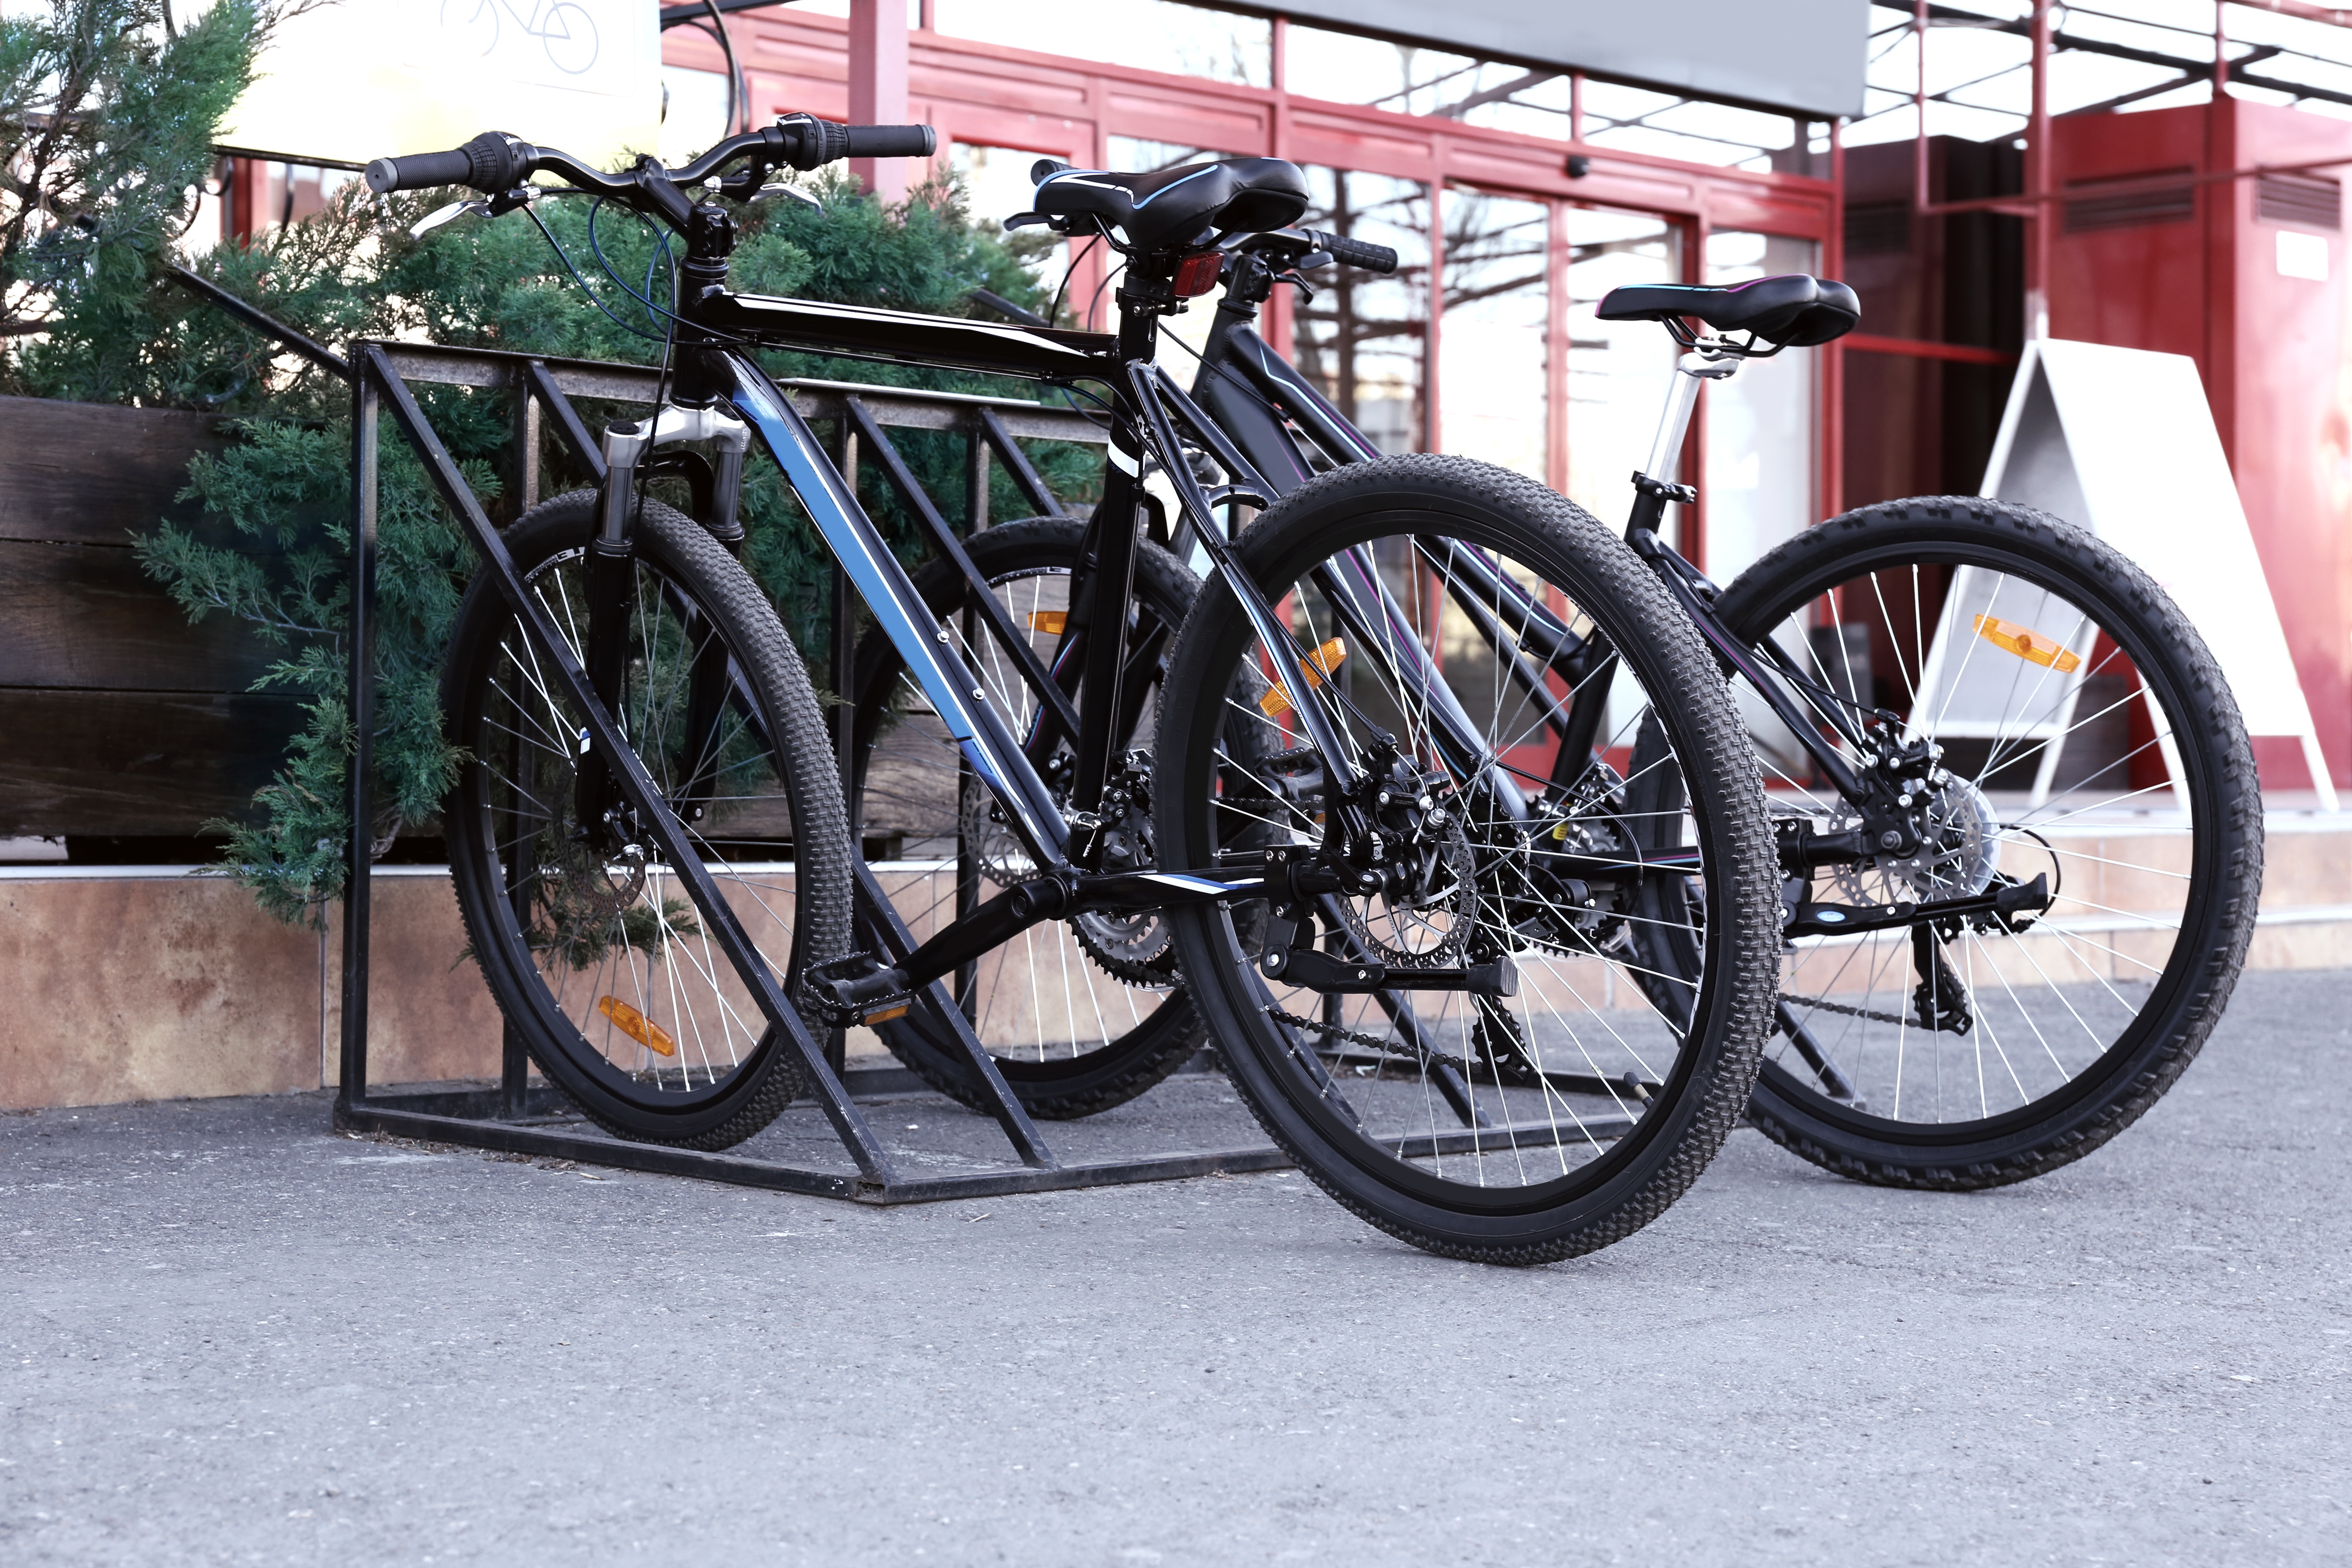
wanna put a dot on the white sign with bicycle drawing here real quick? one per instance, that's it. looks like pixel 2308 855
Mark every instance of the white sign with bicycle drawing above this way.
pixel 361 78
pixel 2122 442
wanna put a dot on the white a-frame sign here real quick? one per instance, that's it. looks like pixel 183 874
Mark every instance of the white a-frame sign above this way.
pixel 2121 442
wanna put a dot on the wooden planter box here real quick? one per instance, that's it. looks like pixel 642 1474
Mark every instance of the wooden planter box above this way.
pixel 119 718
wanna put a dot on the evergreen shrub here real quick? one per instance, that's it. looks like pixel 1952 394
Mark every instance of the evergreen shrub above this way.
pixel 109 329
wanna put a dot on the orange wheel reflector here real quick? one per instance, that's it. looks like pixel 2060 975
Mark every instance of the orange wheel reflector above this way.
pixel 1050 621
pixel 1276 700
pixel 2030 645
pixel 637 1026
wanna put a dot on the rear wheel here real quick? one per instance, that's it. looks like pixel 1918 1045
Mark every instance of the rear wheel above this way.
pixel 1080 1014
pixel 596 955
pixel 1444 601
pixel 2088 739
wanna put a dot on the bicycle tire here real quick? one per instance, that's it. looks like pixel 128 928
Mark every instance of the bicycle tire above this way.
pixel 2083 1108
pixel 763 751
pixel 1330 1121
pixel 1116 1068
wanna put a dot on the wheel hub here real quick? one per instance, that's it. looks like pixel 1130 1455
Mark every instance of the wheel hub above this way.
pixel 1960 845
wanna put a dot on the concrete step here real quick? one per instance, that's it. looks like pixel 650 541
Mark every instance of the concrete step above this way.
pixel 158 982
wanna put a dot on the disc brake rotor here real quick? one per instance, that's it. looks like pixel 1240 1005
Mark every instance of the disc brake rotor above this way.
pixel 1426 926
pixel 592 888
pixel 1958 853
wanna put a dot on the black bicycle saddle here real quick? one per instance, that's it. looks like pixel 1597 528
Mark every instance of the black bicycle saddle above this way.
pixel 1795 311
pixel 1174 208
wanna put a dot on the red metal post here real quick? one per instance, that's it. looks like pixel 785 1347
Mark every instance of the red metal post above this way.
pixel 1832 389
pixel 1576 106
pixel 1690 535
pixel 2042 182
pixel 1432 423
pixel 878 87
pixel 1556 347
pixel 1919 109
pixel 1278 321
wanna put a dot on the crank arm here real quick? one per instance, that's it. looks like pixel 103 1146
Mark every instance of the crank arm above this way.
pixel 862 990
pixel 1320 971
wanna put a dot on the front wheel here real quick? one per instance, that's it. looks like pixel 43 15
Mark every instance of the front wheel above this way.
pixel 2060 726
pixel 596 956
pixel 1455 613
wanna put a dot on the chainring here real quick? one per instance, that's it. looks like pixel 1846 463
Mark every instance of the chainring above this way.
pixel 1133 947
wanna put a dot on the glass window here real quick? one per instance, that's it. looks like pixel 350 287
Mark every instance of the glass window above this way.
pixel 1362 338
pixel 1618 371
pixel 1149 35
pixel 1759 424
pixel 1411 79
pixel 996 184
pixel 1407 78
pixel 1491 382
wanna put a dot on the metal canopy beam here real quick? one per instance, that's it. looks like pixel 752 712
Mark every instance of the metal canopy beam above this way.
pixel 1805 56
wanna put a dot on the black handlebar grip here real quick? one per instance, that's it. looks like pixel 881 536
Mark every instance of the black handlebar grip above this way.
pixel 418 172
pixel 1045 167
pixel 491 162
pixel 1355 253
pixel 891 141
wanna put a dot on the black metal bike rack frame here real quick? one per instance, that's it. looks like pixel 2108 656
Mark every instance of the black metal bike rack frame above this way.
pixel 510 1117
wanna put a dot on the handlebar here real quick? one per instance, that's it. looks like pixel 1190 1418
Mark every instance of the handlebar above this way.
pixel 1299 248
pixel 1354 252
pixel 495 163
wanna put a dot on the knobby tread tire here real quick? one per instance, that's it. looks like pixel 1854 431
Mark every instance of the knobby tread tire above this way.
pixel 2218 729
pixel 1680 1139
pixel 720 587
pixel 1168 1038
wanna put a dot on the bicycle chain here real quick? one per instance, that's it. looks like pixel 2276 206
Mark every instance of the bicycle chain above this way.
pixel 1400 1050
pixel 1823 1005
pixel 1351 1036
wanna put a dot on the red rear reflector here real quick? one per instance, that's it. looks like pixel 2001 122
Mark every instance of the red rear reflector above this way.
pixel 1198 274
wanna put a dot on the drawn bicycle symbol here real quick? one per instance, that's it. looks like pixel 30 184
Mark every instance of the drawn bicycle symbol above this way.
pixel 566 30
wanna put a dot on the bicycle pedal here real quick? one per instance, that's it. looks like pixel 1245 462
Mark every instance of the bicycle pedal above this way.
pixel 860 989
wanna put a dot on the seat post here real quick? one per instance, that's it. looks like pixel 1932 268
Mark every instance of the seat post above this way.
pixel 1654 482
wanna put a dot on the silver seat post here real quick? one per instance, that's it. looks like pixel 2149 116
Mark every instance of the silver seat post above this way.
pixel 1666 453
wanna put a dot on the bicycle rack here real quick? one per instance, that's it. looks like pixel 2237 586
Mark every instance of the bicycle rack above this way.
pixel 541 389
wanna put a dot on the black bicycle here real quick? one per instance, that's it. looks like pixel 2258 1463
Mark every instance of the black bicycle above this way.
pixel 1331 830
pixel 2015 809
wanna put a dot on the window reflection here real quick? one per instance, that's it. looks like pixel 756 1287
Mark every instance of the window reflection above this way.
pixel 1759 424
pixel 1492 386
pixel 1410 79
pixel 1363 337
pixel 1618 371
pixel 1147 34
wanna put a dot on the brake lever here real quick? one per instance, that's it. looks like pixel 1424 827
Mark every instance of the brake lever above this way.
pixel 769 193
pixel 1306 289
pixel 445 215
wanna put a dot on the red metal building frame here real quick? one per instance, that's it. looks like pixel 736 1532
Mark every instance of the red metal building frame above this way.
pixel 988 95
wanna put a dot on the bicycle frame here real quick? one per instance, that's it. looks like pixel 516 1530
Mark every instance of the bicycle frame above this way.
pixel 1235 349
pixel 1154 416
pixel 1272 391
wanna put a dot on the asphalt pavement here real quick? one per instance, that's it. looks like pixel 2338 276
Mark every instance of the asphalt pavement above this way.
pixel 231 1335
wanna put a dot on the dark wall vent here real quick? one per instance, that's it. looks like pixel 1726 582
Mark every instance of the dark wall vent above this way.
pixel 1878 228
pixel 2310 200
pixel 2133 208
